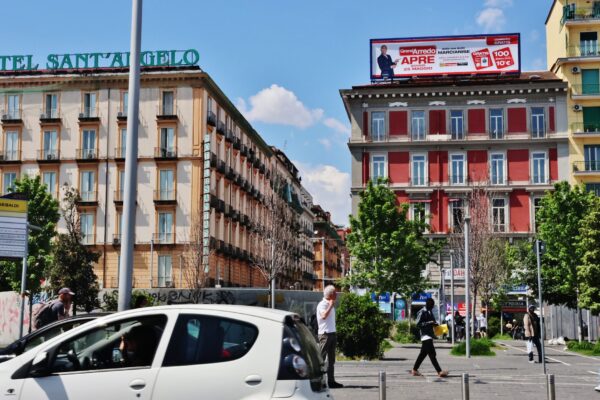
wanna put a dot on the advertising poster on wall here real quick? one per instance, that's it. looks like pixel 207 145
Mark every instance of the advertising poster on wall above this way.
pixel 447 55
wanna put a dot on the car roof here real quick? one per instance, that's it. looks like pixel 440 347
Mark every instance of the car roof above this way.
pixel 77 317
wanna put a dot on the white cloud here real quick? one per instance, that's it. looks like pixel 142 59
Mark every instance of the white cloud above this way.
pixel 337 125
pixel 329 187
pixel 277 105
pixel 498 3
pixel 534 35
pixel 491 19
pixel 325 142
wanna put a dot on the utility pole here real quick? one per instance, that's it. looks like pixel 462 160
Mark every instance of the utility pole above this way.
pixel 323 259
pixel 131 154
pixel 538 244
pixel 452 294
pixel 467 278
pixel 272 273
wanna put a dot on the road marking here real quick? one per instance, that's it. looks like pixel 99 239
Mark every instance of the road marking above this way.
pixel 595 373
pixel 575 354
pixel 525 351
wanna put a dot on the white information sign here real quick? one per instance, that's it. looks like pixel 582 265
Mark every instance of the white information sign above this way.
pixel 13 228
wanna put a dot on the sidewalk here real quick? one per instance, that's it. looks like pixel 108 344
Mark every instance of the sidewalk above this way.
pixel 508 375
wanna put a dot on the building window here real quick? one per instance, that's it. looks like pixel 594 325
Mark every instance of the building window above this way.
pixel 124 103
pixel 419 211
pixel 457 171
pixel 497 165
pixel 87 228
pixel 378 126
pixel 588 43
pixel 165 271
pixel 538 122
pixel 50 145
pixel 417 125
pixel 89 105
pixel 591 119
pixel 166 183
pixel 165 227
pixel 591 155
pixel 88 149
pixel 167 142
pixel 121 183
pixel 123 139
pixel 538 167
pixel 418 169
pixel 496 123
pixel 51 106
pixel 88 186
pixel 457 211
pixel 590 81
pixel 167 102
pixel 499 215
pixel 593 187
pixel 49 179
pixel 8 180
pixel 379 167
pixel 13 106
pixel 537 204
pixel 457 124
pixel 11 145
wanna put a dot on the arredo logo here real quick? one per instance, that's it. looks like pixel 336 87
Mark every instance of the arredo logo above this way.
pixel 157 58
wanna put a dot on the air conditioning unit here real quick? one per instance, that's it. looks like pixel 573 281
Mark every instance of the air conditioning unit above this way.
pixel 81 115
pixel 575 70
pixel 5 116
pixel 50 156
pixel 90 154
pixel 119 114
pixel 577 107
pixel 42 116
pixel 116 241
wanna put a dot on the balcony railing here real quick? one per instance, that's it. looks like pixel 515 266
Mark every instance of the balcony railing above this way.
pixel 10 156
pixel 49 115
pixel 586 166
pixel 11 115
pixel 165 152
pixel 166 111
pixel 585 127
pixel 118 196
pixel 211 118
pixel 587 89
pixel 88 196
pixel 87 154
pixel 88 113
pixel 166 195
pixel 48 155
pixel 87 238
pixel 539 180
pixel 588 50
pixel 419 181
pixel 164 238
pixel 577 13
pixel 457 136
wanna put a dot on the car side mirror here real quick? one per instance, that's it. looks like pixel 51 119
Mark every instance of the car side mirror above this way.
pixel 39 365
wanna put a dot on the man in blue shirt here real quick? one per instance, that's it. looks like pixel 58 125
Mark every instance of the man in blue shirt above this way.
pixel 386 65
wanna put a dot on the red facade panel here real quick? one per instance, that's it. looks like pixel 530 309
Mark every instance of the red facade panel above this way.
pixel 438 166
pixel 477 165
pixel 365 123
pixel 519 211
pixel 398 166
pixel 398 123
pixel 401 197
pixel 476 121
pixel 553 157
pixel 365 168
pixel 551 120
pixel 437 122
pixel 439 211
pixel 518 165
pixel 517 120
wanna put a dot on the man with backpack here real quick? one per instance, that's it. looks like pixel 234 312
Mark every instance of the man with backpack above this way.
pixel 54 310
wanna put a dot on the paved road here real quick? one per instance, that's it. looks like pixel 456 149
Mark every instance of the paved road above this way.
pixel 508 375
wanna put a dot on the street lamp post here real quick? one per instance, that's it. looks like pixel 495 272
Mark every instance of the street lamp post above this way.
pixel 539 277
pixel 323 260
pixel 452 294
pixel 467 278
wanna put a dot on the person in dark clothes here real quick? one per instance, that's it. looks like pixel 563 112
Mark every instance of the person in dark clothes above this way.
pixel 60 308
pixel 425 323
pixel 386 65
pixel 531 323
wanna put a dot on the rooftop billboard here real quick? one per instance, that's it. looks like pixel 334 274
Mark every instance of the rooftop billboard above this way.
pixel 445 55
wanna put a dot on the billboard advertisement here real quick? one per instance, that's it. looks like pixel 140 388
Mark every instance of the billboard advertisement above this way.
pixel 447 55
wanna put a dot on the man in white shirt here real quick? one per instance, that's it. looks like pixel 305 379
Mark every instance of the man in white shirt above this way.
pixel 327 337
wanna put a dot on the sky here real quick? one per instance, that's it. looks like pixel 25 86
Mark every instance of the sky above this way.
pixel 281 62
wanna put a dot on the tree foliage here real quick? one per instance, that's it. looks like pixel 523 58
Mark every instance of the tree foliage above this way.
pixel 588 247
pixel 388 248
pixel 42 212
pixel 73 261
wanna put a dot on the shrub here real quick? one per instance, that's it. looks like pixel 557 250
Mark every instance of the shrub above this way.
pixel 493 327
pixel 361 328
pixel 479 347
pixel 402 334
pixel 110 300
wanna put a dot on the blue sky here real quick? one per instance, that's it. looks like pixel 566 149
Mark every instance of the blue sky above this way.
pixel 283 62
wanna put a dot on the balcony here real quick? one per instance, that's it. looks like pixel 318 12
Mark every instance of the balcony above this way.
pixel 118 197
pixel 585 91
pixel 584 129
pixel 165 238
pixel 587 167
pixel 50 116
pixel 87 155
pixel 88 198
pixel 89 114
pixel 221 166
pixel 211 119
pixel 575 15
pixel 167 112
pixel 229 136
pixel 120 153
pixel 229 173
pixel 12 117
pixel 10 157
pixel 48 156
pixel 165 153
pixel 587 51
pixel 221 128
pixel 244 150
pixel 165 196
pixel 237 143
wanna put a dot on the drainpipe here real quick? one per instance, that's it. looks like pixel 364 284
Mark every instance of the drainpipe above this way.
pixel 151 261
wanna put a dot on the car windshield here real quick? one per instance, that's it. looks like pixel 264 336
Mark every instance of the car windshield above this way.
pixel 52 332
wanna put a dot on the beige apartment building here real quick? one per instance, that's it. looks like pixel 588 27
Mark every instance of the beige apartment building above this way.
pixel 201 166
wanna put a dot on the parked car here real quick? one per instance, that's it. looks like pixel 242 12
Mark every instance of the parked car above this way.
pixel 43 334
pixel 172 352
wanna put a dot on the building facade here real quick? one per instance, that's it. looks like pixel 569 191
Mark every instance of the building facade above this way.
pixel 572 29
pixel 435 140
pixel 328 249
pixel 202 169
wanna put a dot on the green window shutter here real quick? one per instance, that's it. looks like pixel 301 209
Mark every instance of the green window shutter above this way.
pixel 590 79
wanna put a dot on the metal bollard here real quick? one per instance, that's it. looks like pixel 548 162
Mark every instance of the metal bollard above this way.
pixel 382 385
pixel 465 386
pixel 550 387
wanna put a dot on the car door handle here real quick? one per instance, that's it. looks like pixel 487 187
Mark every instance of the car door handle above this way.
pixel 137 384
pixel 253 380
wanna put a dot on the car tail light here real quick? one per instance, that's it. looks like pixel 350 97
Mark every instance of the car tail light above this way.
pixel 292 365
pixel 297 364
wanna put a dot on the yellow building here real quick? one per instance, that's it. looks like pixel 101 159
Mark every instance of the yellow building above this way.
pixel 572 30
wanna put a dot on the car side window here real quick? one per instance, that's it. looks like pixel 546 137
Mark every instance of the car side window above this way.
pixel 50 333
pixel 120 344
pixel 199 339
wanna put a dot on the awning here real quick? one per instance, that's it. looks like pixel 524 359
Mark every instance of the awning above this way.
pixel 419 200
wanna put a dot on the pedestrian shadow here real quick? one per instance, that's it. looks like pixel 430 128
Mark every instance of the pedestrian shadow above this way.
pixel 393 359
pixel 360 386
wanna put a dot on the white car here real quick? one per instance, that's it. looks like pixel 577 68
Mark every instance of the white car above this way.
pixel 174 352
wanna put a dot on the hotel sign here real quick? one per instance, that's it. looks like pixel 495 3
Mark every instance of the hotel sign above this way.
pixel 158 58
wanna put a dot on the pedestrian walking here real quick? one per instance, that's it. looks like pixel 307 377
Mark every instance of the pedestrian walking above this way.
pixel 425 323
pixel 531 324
pixel 459 321
pixel 327 336
pixel 482 323
pixel 54 310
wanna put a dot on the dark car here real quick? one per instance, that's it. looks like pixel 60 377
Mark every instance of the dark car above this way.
pixel 39 336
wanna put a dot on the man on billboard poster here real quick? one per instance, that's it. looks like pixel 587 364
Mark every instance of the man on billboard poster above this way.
pixel 386 65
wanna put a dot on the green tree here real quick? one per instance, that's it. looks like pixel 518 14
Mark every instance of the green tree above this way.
pixel 73 261
pixel 43 212
pixel 388 248
pixel 589 251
